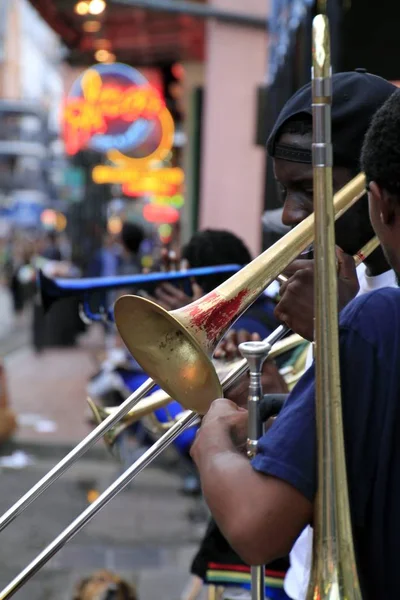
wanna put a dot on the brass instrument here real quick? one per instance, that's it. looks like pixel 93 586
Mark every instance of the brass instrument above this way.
pixel 175 347
pixel 189 419
pixel 160 399
pixel 334 573
pixel 177 355
pixel 145 408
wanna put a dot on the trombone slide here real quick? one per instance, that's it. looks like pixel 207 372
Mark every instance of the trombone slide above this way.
pixel 74 455
pixel 334 573
pixel 187 421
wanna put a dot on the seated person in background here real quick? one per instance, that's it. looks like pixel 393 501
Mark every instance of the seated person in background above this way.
pixel 209 248
pixel 215 559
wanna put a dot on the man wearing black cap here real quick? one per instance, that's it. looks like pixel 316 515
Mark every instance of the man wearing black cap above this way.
pixel 356 97
pixel 283 501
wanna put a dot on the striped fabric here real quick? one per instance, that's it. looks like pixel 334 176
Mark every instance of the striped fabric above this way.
pixel 239 576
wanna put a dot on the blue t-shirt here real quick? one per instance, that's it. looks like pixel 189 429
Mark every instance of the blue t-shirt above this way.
pixel 370 381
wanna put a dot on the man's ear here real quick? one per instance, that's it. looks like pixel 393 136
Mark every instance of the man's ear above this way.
pixel 384 203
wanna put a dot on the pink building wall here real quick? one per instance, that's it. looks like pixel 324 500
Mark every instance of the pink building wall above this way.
pixel 232 166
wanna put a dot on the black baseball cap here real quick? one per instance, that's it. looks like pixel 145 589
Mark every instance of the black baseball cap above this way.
pixel 356 96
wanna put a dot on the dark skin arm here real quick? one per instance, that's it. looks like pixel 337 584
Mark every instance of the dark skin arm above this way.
pixel 260 516
pixel 296 306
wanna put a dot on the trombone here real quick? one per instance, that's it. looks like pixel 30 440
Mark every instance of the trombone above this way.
pixel 344 199
pixel 160 399
pixel 334 572
pixel 174 348
pixel 263 270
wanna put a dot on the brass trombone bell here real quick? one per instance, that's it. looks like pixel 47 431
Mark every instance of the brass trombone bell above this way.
pixel 160 399
pixel 145 407
pixel 175 348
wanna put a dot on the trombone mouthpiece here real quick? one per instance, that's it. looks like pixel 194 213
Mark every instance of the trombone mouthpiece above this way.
pixel 255 353
pixel 321 47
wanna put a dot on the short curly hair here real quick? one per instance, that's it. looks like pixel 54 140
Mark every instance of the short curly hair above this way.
pixel 380 155
pixel 214 247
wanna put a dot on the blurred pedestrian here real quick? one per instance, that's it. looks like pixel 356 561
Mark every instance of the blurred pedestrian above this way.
pixel 131 238
pixel 107 260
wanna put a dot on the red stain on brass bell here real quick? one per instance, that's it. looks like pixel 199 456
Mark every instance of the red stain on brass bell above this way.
pixel 216 318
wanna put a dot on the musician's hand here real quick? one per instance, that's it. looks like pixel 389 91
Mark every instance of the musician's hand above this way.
pixel 271 380
pixel 171 297
pixel 224 423
pixel 228 348
pixel 296 306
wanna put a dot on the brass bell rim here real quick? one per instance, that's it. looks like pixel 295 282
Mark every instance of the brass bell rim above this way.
pixel 123 309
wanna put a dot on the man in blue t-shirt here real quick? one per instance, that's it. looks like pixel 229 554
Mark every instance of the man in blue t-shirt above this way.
pixel 261 507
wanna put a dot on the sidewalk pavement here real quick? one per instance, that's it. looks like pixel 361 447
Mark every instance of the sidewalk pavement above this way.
pixel 14 330
pixel 145 533
pixel 7 319
pixel 48 393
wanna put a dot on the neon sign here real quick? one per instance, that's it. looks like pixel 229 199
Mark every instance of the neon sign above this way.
pixel 154 213
pixel 141 182
pixel 176 201
pixel 114 109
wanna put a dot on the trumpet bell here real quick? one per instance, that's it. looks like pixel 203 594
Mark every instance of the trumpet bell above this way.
pixel 164 345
